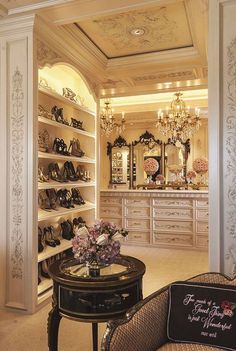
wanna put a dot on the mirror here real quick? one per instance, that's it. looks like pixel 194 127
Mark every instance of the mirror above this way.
pixel 175 160
pixel 145 148
pixel 119 154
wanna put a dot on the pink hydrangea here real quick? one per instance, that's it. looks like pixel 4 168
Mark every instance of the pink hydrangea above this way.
pixel 200 165
pixel 191 174
pixel 150 166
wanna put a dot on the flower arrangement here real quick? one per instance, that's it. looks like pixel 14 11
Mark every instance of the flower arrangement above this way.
pixel 160 178
pixel 98 244
pixel 150 166
pixel 191 174
pixel 200 165
pixel 176 169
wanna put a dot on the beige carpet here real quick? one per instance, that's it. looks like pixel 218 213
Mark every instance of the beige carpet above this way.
pixel 29 332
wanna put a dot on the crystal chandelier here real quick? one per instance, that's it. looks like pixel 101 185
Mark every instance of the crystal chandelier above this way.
pixel 108 122
pixel 177 123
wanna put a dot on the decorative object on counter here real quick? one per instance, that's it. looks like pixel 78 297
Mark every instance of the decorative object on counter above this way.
pixel 60 147
pixel 200 166
pixel 191 175
pixel 42 112
pixel 107 120
pixel 76 124
pixel 177 123
pixel 69 94
pixel 44 141
pixel 75 148
pixel 176 171
pixel 160 179
pixel 150 166
pixel 98 245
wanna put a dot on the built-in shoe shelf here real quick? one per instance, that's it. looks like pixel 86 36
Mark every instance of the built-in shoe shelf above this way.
pixel 52 251
pixel 57 185
pixel 51 156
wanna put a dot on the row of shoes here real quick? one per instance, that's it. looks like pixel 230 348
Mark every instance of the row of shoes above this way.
pixel 48 236
pixel 43 266
pixel 58 116
pixel 50 199
pixel 60 147
pixel 62 176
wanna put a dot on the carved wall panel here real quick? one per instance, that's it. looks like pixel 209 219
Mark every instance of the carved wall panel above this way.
pixel 46 55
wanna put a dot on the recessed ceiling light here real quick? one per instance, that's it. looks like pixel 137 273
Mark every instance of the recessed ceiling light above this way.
pixel 137 32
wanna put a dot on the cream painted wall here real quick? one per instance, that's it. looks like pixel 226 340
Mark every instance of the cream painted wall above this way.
pixel 199 145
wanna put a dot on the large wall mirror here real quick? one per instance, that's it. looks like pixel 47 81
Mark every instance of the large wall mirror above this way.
pixel 119 154
pixel 175 160
pixel 147 147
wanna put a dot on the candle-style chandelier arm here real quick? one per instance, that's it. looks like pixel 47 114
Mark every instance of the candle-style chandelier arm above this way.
pixel 107 120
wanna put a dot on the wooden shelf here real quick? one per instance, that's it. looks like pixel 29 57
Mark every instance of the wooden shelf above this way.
pixel 64 126
pixel 44 285
pixel 59 97
pixel 45 295
pixel 52 251
pixel 43 215
pixel 57 185
pixel 51 156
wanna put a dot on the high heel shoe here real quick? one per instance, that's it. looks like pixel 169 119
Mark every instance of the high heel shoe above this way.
pixel 55 173
pixel 52 196
pixel 48 237
pixel 65 198
pixel 75 148
pixel 41 240
pixel 41 177
pixel 67 230
pixel 53 237
pixel 44 201
pixel 44 269
pixel 76 196
pixel 60 147
pixel 81 173
pixel 69 171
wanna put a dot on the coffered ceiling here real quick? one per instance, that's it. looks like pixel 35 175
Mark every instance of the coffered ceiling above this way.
pixel 129 47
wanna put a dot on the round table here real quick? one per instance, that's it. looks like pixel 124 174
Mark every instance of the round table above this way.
pixel 79 296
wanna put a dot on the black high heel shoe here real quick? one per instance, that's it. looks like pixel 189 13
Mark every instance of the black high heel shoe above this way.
pixel 48 238
pixel 52 196
pixel 65 198
pixel 76 196
pixel 67 230
pixel 44 269
pixel 51 229
pixel 69 171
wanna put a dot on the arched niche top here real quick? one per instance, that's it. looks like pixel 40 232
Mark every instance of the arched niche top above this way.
pixel 147 138
pixel 119 142
pixel 63 76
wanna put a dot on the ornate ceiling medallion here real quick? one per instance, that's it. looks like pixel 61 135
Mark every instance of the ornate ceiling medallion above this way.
pixel 137 32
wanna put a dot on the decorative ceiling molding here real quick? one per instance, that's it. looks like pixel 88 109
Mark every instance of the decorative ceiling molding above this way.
pixel 171 76
pixel 45 55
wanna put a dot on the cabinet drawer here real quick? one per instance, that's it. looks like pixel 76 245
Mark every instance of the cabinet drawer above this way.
pixel 202 227
pixel 137 211
pixel 117 221
pixel 202 203
pixel 138 237
pixel 172 213
pixel 140 224
pixel 202 241
pixel 137 202
pixel 113 200
pixel 112 211
pixel 202 214
pixel 175 226
pixel 172 202
pixel 171 239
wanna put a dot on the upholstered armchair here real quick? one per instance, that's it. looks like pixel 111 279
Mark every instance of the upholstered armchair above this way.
pixel 144 327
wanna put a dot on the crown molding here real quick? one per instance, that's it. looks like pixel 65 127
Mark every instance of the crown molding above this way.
pixel 38 6
pixel 9 25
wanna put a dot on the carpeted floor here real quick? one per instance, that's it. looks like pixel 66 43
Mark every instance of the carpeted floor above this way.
pixel 29 332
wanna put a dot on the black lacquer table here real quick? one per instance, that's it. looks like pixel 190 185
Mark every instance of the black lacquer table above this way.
pixel 78 296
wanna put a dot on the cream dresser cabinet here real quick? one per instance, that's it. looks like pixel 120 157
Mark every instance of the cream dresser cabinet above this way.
pixel 175 219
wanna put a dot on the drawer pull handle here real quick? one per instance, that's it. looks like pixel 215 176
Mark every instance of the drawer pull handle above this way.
pixel 137 223
pixel 207 227
pixel 136 211
pixel 137 236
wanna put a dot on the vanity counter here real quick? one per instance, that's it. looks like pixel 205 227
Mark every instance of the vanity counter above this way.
pixel 163 218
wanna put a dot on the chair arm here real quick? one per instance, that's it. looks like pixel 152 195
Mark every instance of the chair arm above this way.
pixel 143 328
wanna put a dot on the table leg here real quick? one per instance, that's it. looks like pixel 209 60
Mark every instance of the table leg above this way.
pixel 53 326
pixel 95 336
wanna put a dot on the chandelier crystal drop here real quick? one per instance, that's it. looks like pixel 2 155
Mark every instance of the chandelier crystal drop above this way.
pixel 108 122
pixel 177 123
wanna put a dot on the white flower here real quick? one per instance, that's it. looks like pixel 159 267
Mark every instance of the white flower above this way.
pixel 117 236
pixel 102 239
pixel 83 233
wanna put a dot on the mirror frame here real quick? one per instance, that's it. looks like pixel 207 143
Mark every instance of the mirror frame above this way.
pixel 186 153
pixel 145 139
pixel 119 142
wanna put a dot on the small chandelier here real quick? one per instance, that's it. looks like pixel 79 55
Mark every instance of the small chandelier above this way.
pixel 177 123
pixel 108 122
